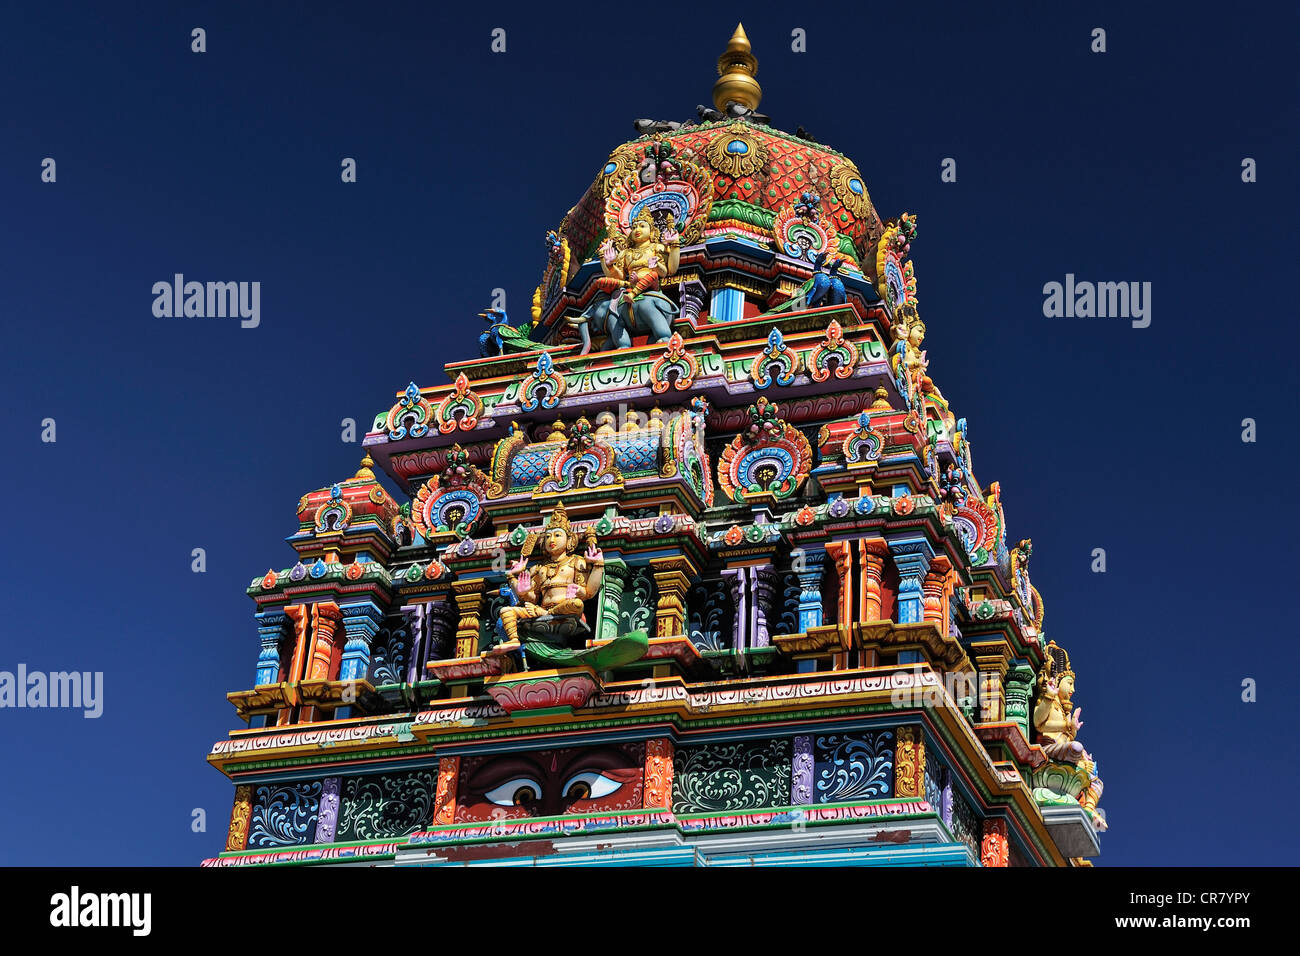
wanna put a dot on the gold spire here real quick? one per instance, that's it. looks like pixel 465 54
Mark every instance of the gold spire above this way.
pixel 736 69
pixel 364 471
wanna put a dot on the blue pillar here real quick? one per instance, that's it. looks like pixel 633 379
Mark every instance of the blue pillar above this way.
pixel 808 569
pixel 360 625
pixel 912 558
pixel 270 630
pixel 727 305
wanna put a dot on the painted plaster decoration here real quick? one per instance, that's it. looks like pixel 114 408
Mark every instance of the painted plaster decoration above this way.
pixel 834 355
pixel 451 503
pixel 770 457
pixel 460 409
pixel 550 597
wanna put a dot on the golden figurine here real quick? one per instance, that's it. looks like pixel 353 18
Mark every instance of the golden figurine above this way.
pixel 1056 725
pixel 558 586
pixel 646 256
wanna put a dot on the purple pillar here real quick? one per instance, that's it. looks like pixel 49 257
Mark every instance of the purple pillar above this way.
pixel 327 820
pixel 801 780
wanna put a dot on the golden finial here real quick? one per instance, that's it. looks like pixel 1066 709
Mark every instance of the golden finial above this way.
pixel 364 471
pixel 736 69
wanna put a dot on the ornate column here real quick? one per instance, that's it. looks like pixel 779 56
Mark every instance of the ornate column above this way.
pixel 764 580
pixel 736 584
pixel 417 620
pixel 325 618
pixel 909 763
pixel 871 555
pixel 444 807
pixel 240 814
pixel 801 777
pixel 727 305
pixel 360 625
pixel 657 790
pixel 934 590
pixel 272 627
pixel 328 818
pixel 613 582
pixel 841 559
pixel 912 558
pixel 469 603
pixel 808 566
pixel 994 850
pixel 992 659
pixel 672 581
pixel 1019 686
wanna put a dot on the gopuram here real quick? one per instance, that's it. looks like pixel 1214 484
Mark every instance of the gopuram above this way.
pixel 691 567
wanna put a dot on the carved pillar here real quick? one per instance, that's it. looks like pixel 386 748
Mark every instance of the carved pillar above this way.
pixel 240 814
pixel 1019 685
pixel 325 618
pixel 727 305
pixel 693 294
pixel 841 559
pixel 765 586
pixel 871 554
pixel 994 850
pixel 612 584
pixel 808 566
pixel 934 590
pixel 444 807
pixel 657 791
pixel 672 580
pixel 992 668
pixel 360 625
pixel 327 819
pixel 734 578
pixel 272 628
pixel 912 558
pixel 300 617
pixel 469 603
pixel 801 778
pixel 909 763
pixel 945 799
pixel 417 622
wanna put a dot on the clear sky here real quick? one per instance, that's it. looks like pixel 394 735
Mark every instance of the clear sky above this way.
pixel 175 434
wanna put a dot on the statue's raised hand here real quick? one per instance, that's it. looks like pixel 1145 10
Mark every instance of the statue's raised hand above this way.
pixel 608 252
pixel 1075 721
pixel 594 555
pixel 669 235
pixel 523 583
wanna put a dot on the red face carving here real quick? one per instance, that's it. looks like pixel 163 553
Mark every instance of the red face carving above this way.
pixel 550 783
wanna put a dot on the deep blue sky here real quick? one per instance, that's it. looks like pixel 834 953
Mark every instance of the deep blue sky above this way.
pixel 183 433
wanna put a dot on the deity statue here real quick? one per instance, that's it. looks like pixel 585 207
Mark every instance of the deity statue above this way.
pixel 558 586
pixel 544 603
pixel 629 298
pixel 1055 724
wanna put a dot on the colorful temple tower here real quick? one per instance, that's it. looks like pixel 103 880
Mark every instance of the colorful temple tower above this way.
pixel 695 568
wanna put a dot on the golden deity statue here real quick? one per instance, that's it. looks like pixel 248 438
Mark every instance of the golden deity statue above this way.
pixel 646 256
pixel 1056 725
pixel 559 584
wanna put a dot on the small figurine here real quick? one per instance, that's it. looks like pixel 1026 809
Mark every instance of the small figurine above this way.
pixel 827 283
pixel 502 337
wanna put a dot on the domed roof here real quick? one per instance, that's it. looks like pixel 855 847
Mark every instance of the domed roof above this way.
pixel 750 164
pixel 751 171
pixel 359 500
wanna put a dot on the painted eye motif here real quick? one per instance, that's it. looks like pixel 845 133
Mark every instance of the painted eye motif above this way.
pixel 589 786
pixel 519 792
